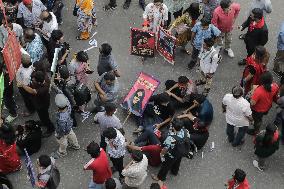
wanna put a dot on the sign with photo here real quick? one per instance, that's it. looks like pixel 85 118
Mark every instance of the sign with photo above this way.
pixel 142 43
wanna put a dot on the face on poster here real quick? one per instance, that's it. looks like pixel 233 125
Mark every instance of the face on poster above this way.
pixel 142 43
pixel 166 45
pixel 140 93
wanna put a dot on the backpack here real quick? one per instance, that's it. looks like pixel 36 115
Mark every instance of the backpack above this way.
pixel 54 178
pixel 82 94
pixel 184 147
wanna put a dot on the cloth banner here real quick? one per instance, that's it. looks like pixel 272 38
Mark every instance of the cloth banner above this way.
pixel 166 45
pixel 142 43
pixel 12 55
pixel 1 91
pixel 139 95
pixel 30 169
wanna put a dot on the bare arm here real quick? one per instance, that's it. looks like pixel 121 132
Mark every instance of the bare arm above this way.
pixel 99 89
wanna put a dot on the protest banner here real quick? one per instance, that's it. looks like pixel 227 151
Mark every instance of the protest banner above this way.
pixel 30 169
pixel 12 55
pixel 166 45
pixel 142 43
pixel 139 95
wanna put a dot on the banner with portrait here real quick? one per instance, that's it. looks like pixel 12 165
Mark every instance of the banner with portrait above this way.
pixel 139 95
pixel 142 43
pixel 166 45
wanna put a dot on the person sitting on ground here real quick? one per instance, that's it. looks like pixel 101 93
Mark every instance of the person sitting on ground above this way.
pixel 107 88
pixel 135 172
pixel 106 61
pixel 113 183
pixel 239 181
pixel 107 119
pixel 180 91
pixel 29 137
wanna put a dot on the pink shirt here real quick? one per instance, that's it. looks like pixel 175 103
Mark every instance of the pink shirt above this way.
pixel 224 21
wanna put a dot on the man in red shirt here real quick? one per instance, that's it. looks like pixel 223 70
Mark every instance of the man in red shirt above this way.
pixel 99 165
pixel 151 151
pixel 261 100
pixel 238 181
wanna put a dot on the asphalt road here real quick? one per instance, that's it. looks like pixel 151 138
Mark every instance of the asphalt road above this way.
pixel 217 166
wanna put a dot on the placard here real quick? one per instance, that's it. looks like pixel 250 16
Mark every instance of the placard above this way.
pixel 166 45
pixel 142 43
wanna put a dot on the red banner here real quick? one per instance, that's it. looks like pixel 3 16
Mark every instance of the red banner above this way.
pixel 12 55
pixel 139 95
pixel 166 45
pixel 142 43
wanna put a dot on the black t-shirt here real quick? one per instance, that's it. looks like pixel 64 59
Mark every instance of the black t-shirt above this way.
pixel 42 98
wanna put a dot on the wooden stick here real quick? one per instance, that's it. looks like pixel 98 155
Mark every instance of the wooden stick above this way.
pixel 128 115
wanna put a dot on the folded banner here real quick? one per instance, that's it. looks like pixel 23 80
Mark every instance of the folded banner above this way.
pixel 140 93
pixel 30 169
pixel 142 43
pixel 12 55
pixel 166 45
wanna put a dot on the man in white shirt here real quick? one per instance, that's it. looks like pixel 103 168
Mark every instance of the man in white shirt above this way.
pixel 49 23
pixel 29 13
pixel 238 114
pixel 208 61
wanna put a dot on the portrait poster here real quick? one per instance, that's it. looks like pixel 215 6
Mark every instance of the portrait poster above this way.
pixel 12 55
pixel 139 95
pixel 30 170
pixel 166 45
pixel 142 43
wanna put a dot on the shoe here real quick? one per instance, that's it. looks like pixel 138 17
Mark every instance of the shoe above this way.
pixel 278 74
pixel 109 7
pixel 126 4
pixel 10 118
pixel 230 53
pixel 47 134
pixel 251 132
pixel 255 164
pixel 138 130
pixel 74 147
pixel 242 62
pixel 205 92
pixel 242 36
pixel 241 143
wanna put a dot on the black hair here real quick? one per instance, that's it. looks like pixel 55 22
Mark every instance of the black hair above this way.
pixel 209 42
pixel 39 66
pixel 82 56
pixel 257 13
pixel 158 1
pixel 44 161
pixel 56 35
pixel 110 133
pixel 183 80
pixel 64 72
pixel 198 97
pixel 193 10
pixel 224 4
pixel 237 91
pixel 29 34
pixel 110 184
pixel 155 186
pixel 39 76
pixel 177 124
pixel 260 52
pixel 137 155
pixel 205 21
pixel 109 76
pixel 93 149
pixel 106 49
pixel 164 98
pixel 32 125
pixel 110 107
pixel 7 133
pixel 266 80
pixel 239 175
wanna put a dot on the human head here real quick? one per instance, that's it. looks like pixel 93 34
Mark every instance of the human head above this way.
pixel 39 77
pixel 177 124
pixel 266 80
pixel 164 98
pixel 26 60
pixel 158 2
pixel 183 81
pixel 208 43
pixel 61 101
pixel 82 56
pixel 45 16
pixel 225 5
pixel 271 128
pixel 44 161
pixel 110 133
pixel 105 49
pixel 9 21
pixel 28 3
pixel 205 22
pixel 64 72
pixel 93 149
pixel 109 78
pixel 237 91
pixel 57 36
pixel 260 53
pixel 239 175
pixel 29 35
pixel 256 14
pixel 198 98
pixel 110 184
pixel 7 133
pixel 110 108
pixel 137 155
pixel 193 10
pixel 155 186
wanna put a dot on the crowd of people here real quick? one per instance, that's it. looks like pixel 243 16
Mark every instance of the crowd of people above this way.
pixel 175 123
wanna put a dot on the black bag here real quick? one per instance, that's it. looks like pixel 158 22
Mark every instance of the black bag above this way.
pixel 54 178
pixel 82 94
pixel 184 147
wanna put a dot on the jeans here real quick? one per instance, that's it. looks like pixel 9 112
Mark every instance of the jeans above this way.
pixel 118 164
pixel 148 136
pixel 112 3
pixel 9 100
pixel 171 164
pixel 93 185
pixel 250 48
pixel 176 15
pixel 43 115
pixel 239 137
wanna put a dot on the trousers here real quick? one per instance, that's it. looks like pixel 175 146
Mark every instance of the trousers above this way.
pixel 118 164
pixel 170 164
pixel 225 39
pixel 63 142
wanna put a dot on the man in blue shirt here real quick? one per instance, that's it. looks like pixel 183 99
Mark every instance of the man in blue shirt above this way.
pixel 201 30
pixel 278 67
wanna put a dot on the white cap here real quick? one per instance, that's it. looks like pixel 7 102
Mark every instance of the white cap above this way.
pixel 61 101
